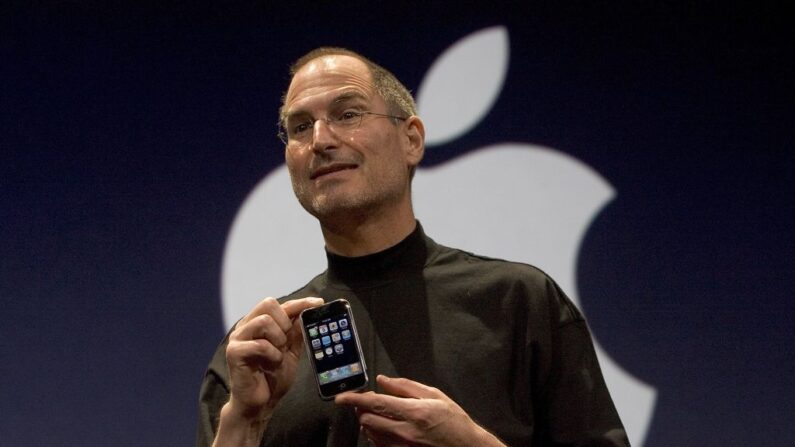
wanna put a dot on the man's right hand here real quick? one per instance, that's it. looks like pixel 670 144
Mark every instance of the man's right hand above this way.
pixel 262 356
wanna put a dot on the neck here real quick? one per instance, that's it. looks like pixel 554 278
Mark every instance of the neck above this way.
pixel 361 235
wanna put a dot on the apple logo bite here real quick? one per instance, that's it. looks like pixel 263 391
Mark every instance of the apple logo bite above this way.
pixel 510 200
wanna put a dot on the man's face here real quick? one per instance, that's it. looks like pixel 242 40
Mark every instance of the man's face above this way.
pixel 364 169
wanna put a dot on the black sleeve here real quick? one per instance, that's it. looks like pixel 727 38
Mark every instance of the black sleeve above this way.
pixel 577 407
pixel 213 395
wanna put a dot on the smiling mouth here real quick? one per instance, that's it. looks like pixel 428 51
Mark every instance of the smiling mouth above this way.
pixel 330 169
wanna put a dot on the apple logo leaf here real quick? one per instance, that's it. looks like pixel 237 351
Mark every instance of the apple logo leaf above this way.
pixel 463 84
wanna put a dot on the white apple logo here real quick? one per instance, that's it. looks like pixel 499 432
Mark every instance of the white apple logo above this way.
pixel 515 201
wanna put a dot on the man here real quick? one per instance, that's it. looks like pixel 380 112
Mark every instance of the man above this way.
pixel 466 350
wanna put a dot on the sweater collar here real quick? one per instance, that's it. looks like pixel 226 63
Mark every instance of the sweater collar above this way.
pixel 408 255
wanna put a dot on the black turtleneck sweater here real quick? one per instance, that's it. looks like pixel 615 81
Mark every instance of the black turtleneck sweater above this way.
pixel 499 338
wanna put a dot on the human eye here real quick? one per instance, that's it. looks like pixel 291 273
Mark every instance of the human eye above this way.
pixel 348 117
pixel 301 128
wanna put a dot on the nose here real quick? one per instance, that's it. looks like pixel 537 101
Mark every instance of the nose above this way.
pixel 323 136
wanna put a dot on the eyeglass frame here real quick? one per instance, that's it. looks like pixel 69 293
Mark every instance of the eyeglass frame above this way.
pixel 282 133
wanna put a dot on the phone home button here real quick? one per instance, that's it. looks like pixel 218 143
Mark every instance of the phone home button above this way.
pixel 343 386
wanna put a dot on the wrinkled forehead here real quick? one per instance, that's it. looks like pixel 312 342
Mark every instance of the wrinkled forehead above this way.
pixel 325 75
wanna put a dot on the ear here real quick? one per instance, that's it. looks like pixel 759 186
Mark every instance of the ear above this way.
pixel 415 136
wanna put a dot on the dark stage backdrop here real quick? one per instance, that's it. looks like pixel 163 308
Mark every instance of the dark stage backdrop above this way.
pixel 137 142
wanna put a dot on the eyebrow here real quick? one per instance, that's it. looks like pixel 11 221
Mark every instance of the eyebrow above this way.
pixel 348 96
pixel 339 99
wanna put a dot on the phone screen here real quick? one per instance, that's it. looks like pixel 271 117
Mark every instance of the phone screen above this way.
pixel 334 349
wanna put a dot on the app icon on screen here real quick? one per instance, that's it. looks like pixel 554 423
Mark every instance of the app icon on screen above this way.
pixel 323 329
pixel 316 343
pixel 318 355
pixel 332 326
pixel 335 337
pixel 344 323
pixel 339 349
pixel 326 340
pixel 313 332
pixel 329 351
pixel 346 334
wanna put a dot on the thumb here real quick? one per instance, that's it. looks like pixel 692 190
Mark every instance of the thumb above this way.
pixel 295 335
pixel 294 308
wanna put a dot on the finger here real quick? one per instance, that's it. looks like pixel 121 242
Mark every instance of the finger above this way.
pixel 293 308
pixel 295 336
pixel 259 352
pixel 295 340
pixel 282 314
pixel 382 439
pixel 401 387
pixel 384 431
pixel 381 404
pixel 268 306
pixel 261 327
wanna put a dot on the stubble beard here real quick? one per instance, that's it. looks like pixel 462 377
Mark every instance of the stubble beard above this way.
pixel 333 205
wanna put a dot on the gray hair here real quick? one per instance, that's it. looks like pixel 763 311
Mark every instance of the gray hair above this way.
pixel 396 96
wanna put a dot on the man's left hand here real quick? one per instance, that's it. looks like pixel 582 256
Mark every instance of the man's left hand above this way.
pixel 410 413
